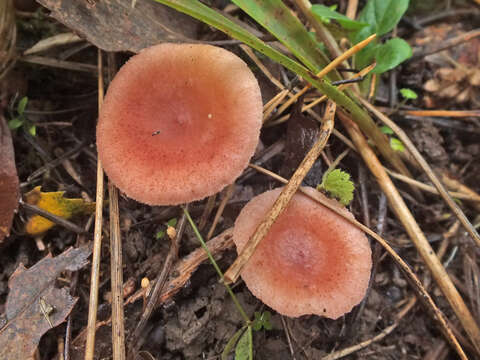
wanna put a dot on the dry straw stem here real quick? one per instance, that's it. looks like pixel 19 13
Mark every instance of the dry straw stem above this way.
pixel 415 233
pixel 352 9
pixel 97 239
pixel 332 65
pixel 462 195
pixel 423 295
pixel 458 186
pixel 307 107
pixel 8 36
pixel 116 266
pixel 431 175
pixel 232 274
pixel 116 271
pixel 442 113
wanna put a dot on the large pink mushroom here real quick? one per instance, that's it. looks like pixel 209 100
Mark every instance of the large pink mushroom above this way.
pixel 312 261
pixel 179 122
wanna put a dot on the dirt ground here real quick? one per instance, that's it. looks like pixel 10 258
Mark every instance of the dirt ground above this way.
pixel 201 318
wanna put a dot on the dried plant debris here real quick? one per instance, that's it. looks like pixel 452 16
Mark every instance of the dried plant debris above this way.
pixel 34 305
pixel 8 181
pixel 54 203
pixel 114 25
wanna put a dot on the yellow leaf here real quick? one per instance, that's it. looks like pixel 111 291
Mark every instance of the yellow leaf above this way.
pixel 54 203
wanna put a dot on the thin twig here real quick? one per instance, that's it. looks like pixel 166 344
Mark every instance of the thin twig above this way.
pixel 159 283
pixel 223 203
pixel 419 53
pixel 52 217
pixel 415 233
pixel 97 239
pixel 410 275
pixel 232 274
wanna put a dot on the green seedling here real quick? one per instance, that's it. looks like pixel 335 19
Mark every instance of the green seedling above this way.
pixel 170 223
pixel 408 94
pixel 262 321
pixel 395 143
pixel 338 184
pixel 20 120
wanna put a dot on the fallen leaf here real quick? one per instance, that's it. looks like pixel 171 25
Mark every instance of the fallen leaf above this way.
pixel 34 305
pixel 113 25
pixel 55 203
pixel 8 181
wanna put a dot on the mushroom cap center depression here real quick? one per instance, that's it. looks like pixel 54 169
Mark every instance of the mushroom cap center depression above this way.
pixel 179 123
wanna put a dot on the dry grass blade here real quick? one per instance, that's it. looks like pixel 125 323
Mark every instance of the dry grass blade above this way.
pixel 223 203
pixel 332 65
pixel 443 113
pixel 116 268
pixel 428 170
pixel 423 295
pixel 116 263
pixel 402 212
pixel 8 36
pixel 232 274
pixel 97 239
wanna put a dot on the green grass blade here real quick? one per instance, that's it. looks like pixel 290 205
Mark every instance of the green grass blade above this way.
pixel 274 16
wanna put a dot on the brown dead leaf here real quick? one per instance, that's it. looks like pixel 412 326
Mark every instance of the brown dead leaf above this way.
pixel 34 305
pixel 8 181
pixel 113 25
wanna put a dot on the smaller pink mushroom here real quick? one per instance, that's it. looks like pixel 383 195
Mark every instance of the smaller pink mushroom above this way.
pixel 311 262
pixel 179 123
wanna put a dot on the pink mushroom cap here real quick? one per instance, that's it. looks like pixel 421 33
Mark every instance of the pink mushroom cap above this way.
pixel 179 123
pixel 311 262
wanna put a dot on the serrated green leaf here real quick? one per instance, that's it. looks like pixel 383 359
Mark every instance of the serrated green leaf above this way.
pixel 396 144
pixel 382 15
pixel 22 104
pixel 231 344
pixel 386 130
pixel 244 348
pixel 324 12
pixel 339 185
pixel 391 54
pixel 15 123
pixel 408 94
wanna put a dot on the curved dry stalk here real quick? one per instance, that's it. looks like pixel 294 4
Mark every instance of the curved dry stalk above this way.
pixel 431 175
pixel 8 36
pixel 232 274
pixel 402 212
pixel 221 207
pixel 423 295
pixel 97 239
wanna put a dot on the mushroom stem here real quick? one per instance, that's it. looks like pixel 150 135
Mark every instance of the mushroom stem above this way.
pixel 232 274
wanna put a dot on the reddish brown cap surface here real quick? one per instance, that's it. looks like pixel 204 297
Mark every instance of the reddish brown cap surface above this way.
pixel 179 122
pixel 311 262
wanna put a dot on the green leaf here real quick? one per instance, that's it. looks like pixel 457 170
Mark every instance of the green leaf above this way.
pixel 172 222
pixel 324 12
pixel 386 130
pixel 408 94
pixel 396 144
pixel 391 54
pixel 231 344
pixel 244 349
pixel 339 185
pixel 22 104
pixel 32 129
pixel 160 235
pixel 262 320
pixel 274 16
pixel 15 123
pixel 382 15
